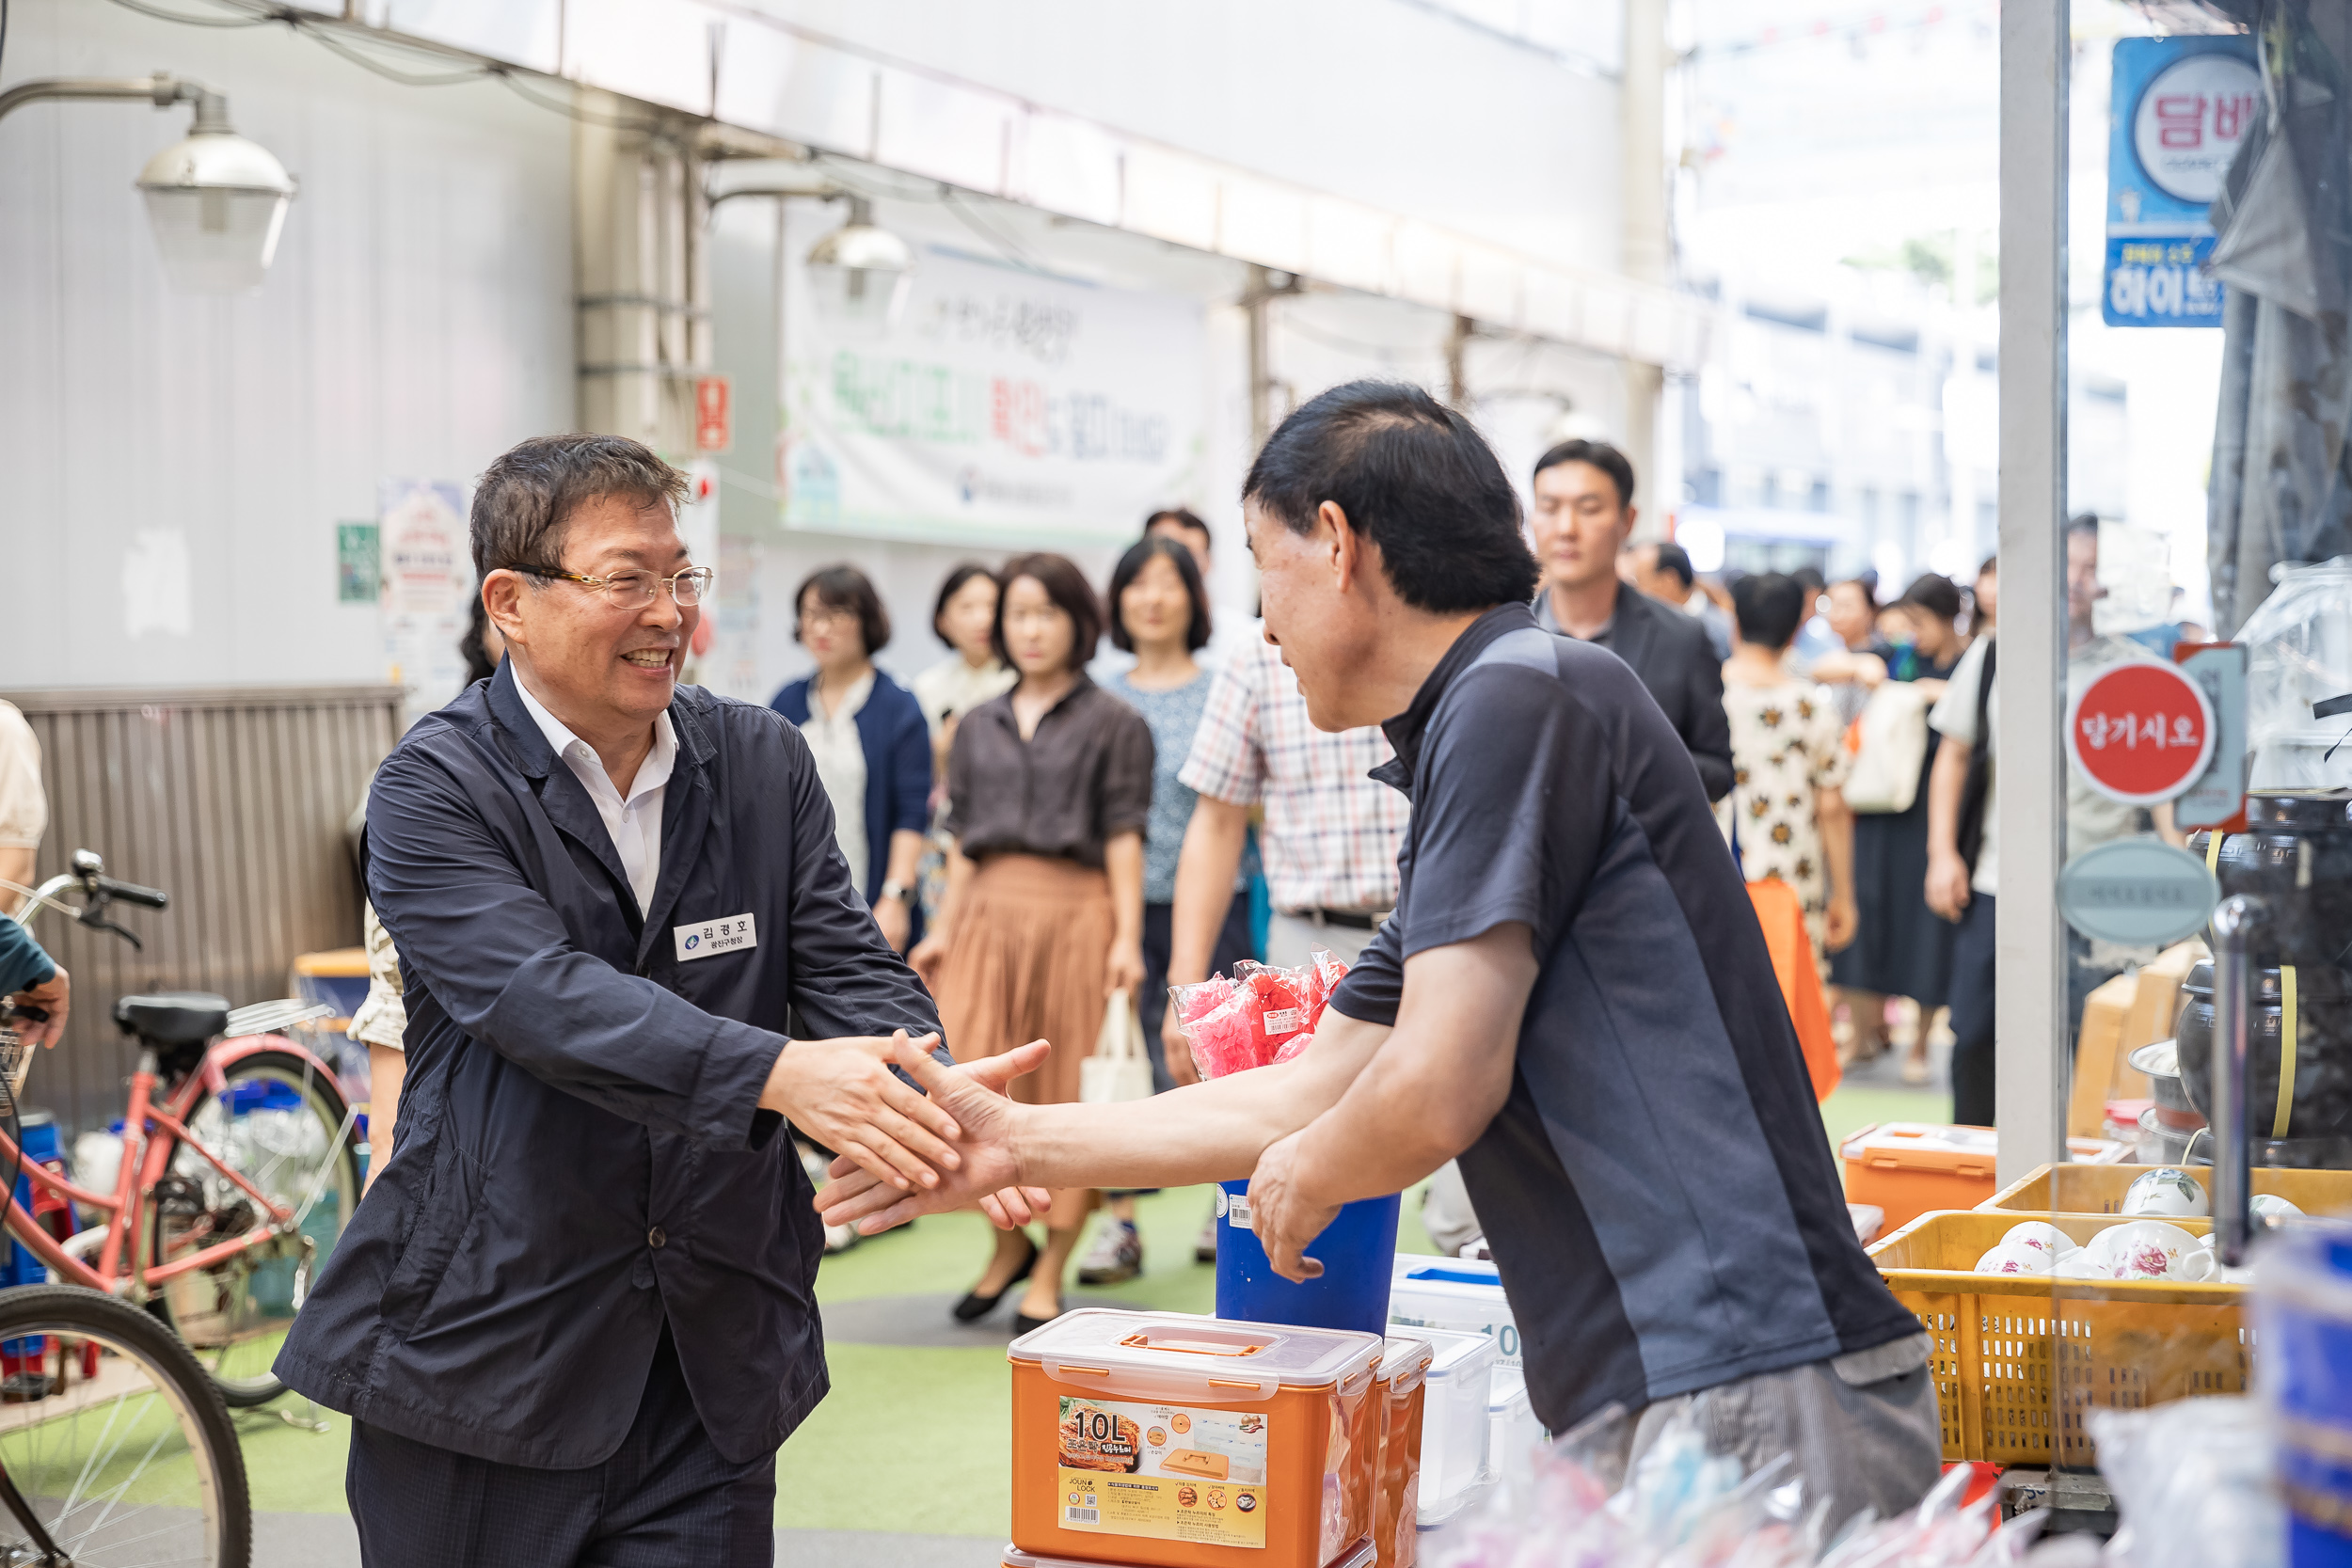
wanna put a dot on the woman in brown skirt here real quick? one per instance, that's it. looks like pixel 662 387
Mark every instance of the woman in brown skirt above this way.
pixel 1048 789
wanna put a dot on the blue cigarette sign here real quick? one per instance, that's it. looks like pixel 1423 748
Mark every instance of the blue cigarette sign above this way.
pixel 2180 108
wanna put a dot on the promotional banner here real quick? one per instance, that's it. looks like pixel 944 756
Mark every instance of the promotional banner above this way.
pixel 428 582
pixel 2179 109
pixel 998 407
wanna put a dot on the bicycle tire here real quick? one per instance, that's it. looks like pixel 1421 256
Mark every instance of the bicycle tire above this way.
pixel 243 1392
pixel 71 1311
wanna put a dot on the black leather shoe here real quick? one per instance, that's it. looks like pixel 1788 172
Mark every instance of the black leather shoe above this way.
pixel 975 1305
pixel 1022 1323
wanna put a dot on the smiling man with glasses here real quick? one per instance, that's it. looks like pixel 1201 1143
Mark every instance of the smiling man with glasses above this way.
pixel 575 1317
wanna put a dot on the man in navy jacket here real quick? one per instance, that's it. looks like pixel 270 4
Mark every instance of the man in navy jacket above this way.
pixel 575 1317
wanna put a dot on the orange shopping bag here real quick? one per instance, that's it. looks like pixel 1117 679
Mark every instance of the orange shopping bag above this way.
pixel 1783 919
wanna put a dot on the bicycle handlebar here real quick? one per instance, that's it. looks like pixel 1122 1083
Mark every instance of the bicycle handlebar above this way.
pixel 130 893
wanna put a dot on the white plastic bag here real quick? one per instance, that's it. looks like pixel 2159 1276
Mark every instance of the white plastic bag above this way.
pixel 1121 1068
pixel 1892 730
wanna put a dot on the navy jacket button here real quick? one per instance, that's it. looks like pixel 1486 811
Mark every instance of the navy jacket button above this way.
pixel 654 1238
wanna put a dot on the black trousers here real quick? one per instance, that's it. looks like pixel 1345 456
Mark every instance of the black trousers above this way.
pixel 665 1500
pixel 1972 1014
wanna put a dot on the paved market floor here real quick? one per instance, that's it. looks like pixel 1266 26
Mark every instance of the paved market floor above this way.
pixel 898 1367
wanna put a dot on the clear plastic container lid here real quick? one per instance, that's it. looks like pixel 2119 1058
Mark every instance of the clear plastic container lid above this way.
pixel 1455 1356
pixel 1404 1357
pixel 1507 1390
pixel 1419 1270
pixel 1181 1356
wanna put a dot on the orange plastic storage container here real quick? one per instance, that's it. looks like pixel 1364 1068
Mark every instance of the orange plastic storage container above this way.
pixel 1398 1386
pixel 1911 1169
pixel 1165 1440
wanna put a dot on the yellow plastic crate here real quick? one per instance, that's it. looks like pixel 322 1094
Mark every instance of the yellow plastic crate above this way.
pixel 2018 1359
pixel 2100 1189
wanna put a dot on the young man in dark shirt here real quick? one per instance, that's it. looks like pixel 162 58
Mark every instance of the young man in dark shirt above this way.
pixel 1572 996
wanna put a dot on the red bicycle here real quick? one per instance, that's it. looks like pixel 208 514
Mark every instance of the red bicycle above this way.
pixel 236 1174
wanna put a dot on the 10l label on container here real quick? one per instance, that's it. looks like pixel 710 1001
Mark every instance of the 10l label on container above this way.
pixel 1163 1471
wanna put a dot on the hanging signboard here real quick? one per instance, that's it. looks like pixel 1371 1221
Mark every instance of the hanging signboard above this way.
pixel 2137 892
pixel 996 408
pixel 2178 110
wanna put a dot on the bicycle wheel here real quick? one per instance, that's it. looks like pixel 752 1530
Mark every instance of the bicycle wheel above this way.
pixel 135 1466
pixel 280 1123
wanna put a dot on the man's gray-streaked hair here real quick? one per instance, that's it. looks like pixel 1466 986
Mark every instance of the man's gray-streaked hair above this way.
pixel 531 491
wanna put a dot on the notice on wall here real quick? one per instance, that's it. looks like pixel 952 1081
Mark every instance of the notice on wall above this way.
pixel 427 578
pixel 2180 107
pixel 358 563
pixel 998 406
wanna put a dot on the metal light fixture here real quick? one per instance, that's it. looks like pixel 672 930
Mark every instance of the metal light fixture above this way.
pixel 858 274
pixel 216 202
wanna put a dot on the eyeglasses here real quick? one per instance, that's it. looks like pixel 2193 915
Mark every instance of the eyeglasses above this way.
pixel 636 590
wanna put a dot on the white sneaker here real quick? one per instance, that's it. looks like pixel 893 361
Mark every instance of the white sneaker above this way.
pixel 1114 1255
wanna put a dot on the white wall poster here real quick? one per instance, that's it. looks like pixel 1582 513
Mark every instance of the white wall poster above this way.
pixel 428 581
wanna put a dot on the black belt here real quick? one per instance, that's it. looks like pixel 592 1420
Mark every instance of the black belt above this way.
pixel 1351 920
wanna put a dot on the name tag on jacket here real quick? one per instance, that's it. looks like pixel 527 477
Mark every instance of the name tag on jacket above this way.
pixel 705 938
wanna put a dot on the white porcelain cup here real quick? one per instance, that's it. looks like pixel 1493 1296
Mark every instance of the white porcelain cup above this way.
pixel 2142 1249
pixel 2166 1193
pixel 2041 1236
pixel 2008 1259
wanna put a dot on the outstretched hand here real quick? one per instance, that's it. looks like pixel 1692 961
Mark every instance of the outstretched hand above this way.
pixel 987 1173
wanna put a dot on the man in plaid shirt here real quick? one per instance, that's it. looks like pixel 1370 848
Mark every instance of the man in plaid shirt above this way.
pixel 1331 833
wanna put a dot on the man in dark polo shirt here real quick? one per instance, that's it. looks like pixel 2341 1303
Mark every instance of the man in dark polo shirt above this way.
pixel 1572 996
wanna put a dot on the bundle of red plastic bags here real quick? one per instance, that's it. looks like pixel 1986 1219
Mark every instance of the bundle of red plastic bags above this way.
pixel 1260 1016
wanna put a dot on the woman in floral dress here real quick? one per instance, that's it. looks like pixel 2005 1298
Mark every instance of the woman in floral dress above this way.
pixel 1784 815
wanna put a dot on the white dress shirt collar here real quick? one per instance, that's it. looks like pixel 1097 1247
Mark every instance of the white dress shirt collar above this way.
pixel 634 823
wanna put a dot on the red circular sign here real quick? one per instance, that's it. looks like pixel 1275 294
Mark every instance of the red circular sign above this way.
pixel 2141 732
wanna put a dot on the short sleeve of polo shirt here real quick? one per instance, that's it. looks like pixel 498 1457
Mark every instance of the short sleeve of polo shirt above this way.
pixel 1511 804
pixel 1228 757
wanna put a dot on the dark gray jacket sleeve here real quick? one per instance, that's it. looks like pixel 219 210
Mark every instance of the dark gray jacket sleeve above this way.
pixel 494 954
pixel 1705 729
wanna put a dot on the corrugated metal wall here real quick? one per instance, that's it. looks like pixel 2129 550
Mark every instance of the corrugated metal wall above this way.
pixel 232 799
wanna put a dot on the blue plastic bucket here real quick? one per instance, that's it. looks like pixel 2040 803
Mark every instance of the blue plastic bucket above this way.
pixel 1358 1251
pixel 2303 1307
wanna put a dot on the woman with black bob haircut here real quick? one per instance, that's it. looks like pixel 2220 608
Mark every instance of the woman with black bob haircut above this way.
pixel 1049 787
pixel 867 734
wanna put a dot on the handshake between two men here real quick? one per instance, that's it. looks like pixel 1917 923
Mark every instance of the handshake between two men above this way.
pixel 1365 1110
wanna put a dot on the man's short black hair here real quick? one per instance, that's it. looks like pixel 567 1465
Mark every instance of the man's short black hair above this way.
pixel 1770 608
pixel 845 587
pixel 1810 579
pixel 1131 565
pixel 1183 518
pixel 1675 561
pixel 1601 455
pixel 531 491
pixel 2083 522
pixel 1067 588
pixel 1413 477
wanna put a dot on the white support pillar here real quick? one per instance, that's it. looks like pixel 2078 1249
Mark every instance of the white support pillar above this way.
pixel 1641 133
pixel 2030 1007
pixel 641 271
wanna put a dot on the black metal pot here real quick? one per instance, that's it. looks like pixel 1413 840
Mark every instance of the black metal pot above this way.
pixel 2296 856
pixel 2321 1102
pixel 2173 1108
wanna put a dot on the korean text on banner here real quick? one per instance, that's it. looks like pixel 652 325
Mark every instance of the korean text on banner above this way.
pixel 998 406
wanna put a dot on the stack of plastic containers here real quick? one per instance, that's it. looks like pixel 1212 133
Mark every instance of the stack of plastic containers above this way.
pixel 1457 1390
pixel 1399 1385
pixel 1460 1294
pixel 1163 1440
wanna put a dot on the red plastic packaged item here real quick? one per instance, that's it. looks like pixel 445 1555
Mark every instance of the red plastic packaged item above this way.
pixel 1324 973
